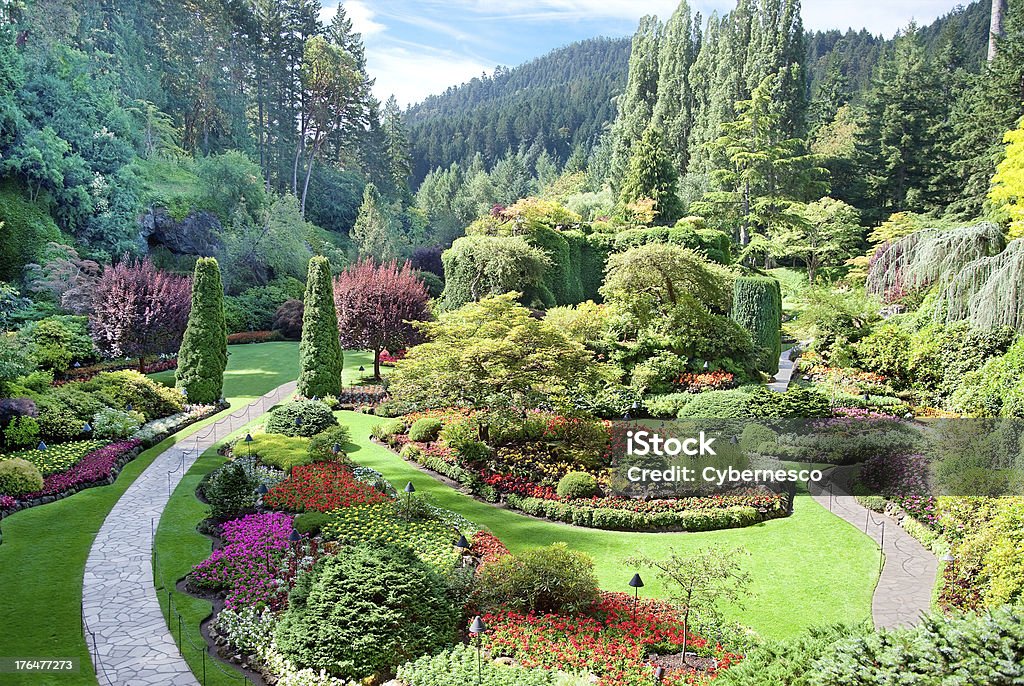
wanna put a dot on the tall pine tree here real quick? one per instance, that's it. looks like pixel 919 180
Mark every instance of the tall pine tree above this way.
pixel 651 175
pixel 203 356
pixel 320 356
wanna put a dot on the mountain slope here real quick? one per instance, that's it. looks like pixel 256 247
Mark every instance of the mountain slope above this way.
pixel 559 101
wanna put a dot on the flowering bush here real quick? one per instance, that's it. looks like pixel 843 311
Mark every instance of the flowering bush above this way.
pixel 168 425
pixel 321 487
pixel 488 547
pixel 247 629
pixel 7 502
pixel 254 337
pixel 248 567
pixel 696 382
pixel 56 458
pixel 605 641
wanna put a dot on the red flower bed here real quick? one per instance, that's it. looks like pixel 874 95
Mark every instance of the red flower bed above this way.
pixel 606 641
pixel 518 485
pixel 322 487
pixel 254 337
pixel 488 547
pixel 388 359
pixel 695 382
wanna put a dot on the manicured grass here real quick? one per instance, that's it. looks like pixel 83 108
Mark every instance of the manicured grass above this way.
pixel 810 568
pixel 42 558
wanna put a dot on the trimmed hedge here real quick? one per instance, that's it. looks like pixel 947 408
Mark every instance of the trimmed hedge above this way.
pixel 314 417
pixel 320 355
pixel 625 520
pixel 757 307
pixel 203 356
pixel 577 485
pixel 425 430
pixel 18 476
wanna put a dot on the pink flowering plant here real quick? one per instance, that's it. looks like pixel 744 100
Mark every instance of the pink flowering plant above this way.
pixel 94 467
pixel 904 480
pixel 250 564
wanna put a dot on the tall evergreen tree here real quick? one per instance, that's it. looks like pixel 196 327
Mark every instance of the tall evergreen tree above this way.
pixel 651 175
pixel 374 232
pixel 636 105
pixel 320 356
pixel 397 145
pixel 673 110
pixel 203 356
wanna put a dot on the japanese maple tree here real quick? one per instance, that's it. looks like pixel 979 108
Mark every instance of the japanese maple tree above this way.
pixel 139 310
pixel 375 305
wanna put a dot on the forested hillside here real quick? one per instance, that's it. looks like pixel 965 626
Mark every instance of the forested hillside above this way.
pixel 560 103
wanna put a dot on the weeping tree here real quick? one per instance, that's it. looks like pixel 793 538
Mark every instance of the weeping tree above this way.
pixel 928 257
pixel 988 291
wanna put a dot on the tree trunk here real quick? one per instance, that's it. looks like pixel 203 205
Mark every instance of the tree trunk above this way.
pixel 376 364
pixel 995 31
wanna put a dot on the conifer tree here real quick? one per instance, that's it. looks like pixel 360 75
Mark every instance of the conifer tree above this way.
pixel 651 175
pixel 204 348
pixel 636 104
pixel 374 231
pixel 320 355
pixel 673 110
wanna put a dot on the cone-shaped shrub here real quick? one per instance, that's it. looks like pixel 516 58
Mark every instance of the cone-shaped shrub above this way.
pixel 204 348
pixel 757 307
pixel 320 356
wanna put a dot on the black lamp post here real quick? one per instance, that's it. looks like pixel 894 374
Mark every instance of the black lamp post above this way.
pixel 295 538
pixel 41 447
pixel 298 421
pixel 948 558
pixel 636 583
pixel 128 407
pixel 867 397
pixel 478 628
pixel 409 490
pixel 87 428
pixel 336 448
pixel 462 547
pixel 248 445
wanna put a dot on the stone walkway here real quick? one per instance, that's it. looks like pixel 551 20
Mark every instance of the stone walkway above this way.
pixel 125 628
pixel 781 381
pixel 904 590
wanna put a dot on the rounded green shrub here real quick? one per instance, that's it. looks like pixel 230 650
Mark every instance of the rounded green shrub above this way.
pixel 425 430
pixel 301 418
pixel 111 423
pixel 21 432
pixel 203 355
pixel 386 430
pixel 18 477
pixel 757 307
pixel 231 491
pixel 310 523
pixel 364 612
pixel 795 403
pixel 550 579
pixel 577 485
pixel 321 446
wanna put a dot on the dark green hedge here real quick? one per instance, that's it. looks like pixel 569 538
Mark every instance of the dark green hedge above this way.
pixel 757 307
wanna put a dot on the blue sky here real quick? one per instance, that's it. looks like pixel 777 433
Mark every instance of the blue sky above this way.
pixel 419 47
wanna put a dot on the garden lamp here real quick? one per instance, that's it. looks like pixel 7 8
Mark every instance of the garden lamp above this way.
pixel 315 398
pixel 733 440
pixel 462 545
pixel 409 489
pixel 41 446
pixel 248 444
pixel 295 538
pixel 362 368
pixel 128 407
pixel 336 448
pixel 262 490
pixel 478 628
pixel 948 557
pixel 659 673
pixel 298 421
pixel 705 365
pixel 636 583
pixel 867 396
pixel 77 365
pixel 87 428
pixel 636 405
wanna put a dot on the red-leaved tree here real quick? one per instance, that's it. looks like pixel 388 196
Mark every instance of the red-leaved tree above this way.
pixel 375 304
pixel 138 310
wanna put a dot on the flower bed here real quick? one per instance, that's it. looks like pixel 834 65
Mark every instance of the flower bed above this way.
pixel 606 641
pixel 56 458
pixel 696 382
pixel 86 373
pixel 247 567
pixel 384 524
pixel 321 487
pixel 361 396
pixel 388 360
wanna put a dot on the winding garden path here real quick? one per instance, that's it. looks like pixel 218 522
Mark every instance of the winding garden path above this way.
pixel 782 378
pixel 904 590
pixel 121 614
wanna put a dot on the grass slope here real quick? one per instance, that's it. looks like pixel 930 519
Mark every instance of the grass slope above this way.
pixel 180 547
pixel 810 568
pixel 42 558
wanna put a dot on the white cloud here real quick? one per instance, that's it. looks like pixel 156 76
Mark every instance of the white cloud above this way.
pixel 411 75
pixel 359 13
pixel 877 16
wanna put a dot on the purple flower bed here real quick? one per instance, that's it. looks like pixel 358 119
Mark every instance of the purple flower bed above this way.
pixel 903 479
pixel 7 502
pixel 247 566
pixel 96 466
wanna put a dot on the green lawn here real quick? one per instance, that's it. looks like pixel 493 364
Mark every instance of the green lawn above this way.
pixel 44 549
pixel 180 547
pixel 810 568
